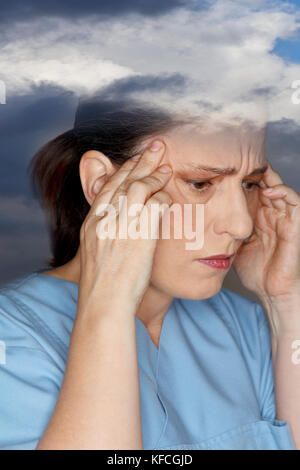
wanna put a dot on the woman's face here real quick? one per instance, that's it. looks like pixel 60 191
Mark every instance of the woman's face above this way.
pixel 230 202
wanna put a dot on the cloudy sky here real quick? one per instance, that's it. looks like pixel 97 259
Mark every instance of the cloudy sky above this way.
pixel 209 54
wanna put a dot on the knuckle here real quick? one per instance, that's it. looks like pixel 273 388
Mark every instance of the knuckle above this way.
pixel 157 200
pixel 123 187
pixel 119 194
pixel 154 181
pixel 154 200
pixel 121 191
pixel 138 186
pixel 124 170
pixel 165 196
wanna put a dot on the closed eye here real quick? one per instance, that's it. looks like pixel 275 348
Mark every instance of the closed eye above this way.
pixel 196 185
pixel 202 186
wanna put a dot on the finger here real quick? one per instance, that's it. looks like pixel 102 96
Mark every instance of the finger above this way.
pixel 272 178
pixel 141 190
pixel 120 181
pixel 137 193
pixel 107 191
pixel 159 198
pixel 263 199
pixel 286 195
pixel 149 161
pixel 153 210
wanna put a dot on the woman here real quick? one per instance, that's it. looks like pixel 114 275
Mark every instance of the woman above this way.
pixel 125 343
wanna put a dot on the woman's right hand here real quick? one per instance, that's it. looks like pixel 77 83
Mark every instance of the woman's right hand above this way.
pixel 115 272
pixel 99 405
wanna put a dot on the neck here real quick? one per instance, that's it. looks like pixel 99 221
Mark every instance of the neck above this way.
pixel 153 307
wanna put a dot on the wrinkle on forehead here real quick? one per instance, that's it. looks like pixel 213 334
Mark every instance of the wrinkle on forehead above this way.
pixel 241 146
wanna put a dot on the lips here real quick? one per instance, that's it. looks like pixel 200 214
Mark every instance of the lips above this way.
pixel 221 262
pixel 219 256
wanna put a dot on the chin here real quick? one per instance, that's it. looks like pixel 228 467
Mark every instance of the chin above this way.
pixel 191 290
pixel 204 292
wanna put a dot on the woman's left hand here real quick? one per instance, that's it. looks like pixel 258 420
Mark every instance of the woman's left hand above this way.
pixel 269 264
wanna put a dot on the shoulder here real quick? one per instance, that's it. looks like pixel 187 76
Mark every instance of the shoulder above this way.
pixel 37 312
pixel 239 308
pixel 231 306
pixel 244 318
pixel 16 321
pixel 31 357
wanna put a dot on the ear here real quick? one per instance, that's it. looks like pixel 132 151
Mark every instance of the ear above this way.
pixel 95 169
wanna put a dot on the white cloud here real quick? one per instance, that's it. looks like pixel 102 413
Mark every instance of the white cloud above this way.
pixel 224 51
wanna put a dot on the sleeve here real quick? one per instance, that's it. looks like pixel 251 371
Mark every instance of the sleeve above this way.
pixel 29 384
pixel 279 431
pixel 267 396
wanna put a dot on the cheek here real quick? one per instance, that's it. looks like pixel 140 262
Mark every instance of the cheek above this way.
pixel 167 263
pixel 254 204
pixel 181 223
pixel 169 257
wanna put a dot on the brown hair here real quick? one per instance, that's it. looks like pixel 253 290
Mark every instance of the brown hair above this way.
pixel 115 129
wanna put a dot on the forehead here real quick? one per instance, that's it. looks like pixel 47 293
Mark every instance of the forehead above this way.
pixel 229 145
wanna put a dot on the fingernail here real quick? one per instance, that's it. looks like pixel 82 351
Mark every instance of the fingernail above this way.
pixel 156 145
pixel 136 157
pixel 165 169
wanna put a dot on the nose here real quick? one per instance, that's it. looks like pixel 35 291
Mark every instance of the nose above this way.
pixel 233 216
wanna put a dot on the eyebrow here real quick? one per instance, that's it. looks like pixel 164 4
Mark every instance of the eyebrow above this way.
pixel 227 171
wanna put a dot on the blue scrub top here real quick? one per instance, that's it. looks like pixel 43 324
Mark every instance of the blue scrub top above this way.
pixel 209 385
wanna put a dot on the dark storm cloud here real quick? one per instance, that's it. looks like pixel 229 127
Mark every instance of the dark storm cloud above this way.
pixel 262 92
pixel 22 217
pixel 124 86
pixel 26 122
pixel 120 94
pixel 23 10
pixel 36 110
pixel 283 150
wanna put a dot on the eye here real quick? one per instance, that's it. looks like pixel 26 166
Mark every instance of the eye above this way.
pixel 252 185
pixel 199 186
